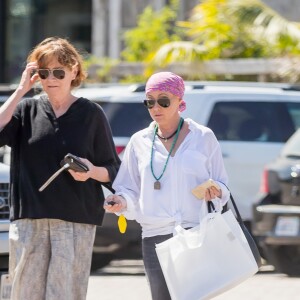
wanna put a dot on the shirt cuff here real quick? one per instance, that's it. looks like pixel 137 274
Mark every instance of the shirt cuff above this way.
pixel 129 211
pixel 220 202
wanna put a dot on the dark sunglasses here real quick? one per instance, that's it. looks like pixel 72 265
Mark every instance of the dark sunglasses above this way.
pixel 163 102
pixel 57 73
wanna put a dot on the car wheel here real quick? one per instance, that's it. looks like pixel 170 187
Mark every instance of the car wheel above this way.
pixel 286 259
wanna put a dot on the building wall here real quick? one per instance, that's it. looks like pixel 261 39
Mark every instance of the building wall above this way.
pixel 28 22
pixel 290 9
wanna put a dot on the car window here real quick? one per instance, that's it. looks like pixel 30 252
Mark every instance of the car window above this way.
pixel 3 99
pixel 294 111
pixel 126 118
pixel 254 121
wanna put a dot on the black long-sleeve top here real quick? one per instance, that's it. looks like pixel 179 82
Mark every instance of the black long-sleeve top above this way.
pixel 39 142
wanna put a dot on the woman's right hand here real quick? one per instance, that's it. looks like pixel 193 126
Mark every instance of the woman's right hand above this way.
pixel 28 78
pixel 26 82
pixel 115 204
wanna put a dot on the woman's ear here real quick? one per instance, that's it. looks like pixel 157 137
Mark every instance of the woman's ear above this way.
pixel 74 71
pixel 182 105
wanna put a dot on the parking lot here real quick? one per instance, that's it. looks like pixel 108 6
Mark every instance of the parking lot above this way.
pixel 125 279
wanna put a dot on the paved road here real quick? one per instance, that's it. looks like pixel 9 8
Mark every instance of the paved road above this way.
pixel 125 279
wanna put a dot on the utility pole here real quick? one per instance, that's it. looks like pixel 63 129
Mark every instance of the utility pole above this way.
pixel 98 28
pixel 115 17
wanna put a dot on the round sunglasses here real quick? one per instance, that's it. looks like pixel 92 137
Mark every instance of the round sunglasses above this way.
pixel 163 102
pixel 57 73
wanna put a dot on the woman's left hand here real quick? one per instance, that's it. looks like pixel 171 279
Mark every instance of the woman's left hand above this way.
pixel 212 192
pixel 83 176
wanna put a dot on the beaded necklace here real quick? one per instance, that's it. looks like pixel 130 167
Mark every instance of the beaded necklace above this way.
pixel 157 184
pixel 165 139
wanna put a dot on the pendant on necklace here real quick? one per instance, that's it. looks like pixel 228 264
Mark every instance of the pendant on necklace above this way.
pixel 157 185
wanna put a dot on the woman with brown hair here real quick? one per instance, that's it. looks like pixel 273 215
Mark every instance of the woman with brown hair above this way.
pixel 52 231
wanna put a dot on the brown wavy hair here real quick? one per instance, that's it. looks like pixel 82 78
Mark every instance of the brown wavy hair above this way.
pixel 65 53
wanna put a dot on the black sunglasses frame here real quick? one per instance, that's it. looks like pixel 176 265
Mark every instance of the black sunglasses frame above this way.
pixel 163 102
pixel 57 73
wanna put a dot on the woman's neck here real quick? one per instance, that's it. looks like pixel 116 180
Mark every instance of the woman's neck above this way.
pixel 61 105
pixel 166 129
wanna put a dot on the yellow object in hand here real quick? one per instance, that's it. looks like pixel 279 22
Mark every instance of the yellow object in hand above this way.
pixel 122 223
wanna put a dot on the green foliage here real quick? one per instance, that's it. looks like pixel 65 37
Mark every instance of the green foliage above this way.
pixel 216 29
pixel 231 29
pixel 270 31
pixel 133 79
pixel 154 29
pixel 224 32
pixel 99 69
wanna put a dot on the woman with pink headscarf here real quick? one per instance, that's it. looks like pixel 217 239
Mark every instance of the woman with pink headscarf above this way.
pixel 161 166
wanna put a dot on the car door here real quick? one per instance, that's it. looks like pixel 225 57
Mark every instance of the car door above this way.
pixel 251 133
pixel 251 129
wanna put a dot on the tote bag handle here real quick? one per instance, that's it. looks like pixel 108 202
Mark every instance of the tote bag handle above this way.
pixel 211 208
pixel 196 234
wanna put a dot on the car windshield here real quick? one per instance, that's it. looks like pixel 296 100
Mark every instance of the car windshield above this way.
pixel 126 118
pixel 292 147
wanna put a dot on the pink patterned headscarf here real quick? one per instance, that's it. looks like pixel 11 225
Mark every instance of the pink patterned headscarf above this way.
pixel 167 82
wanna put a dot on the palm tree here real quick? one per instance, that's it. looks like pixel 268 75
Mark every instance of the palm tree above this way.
pixel 231 29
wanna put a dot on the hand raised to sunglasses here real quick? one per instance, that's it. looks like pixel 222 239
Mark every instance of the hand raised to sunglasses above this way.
pixel 26 83
pixel 29 77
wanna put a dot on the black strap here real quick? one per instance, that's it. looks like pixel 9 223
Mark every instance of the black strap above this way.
pixel 108 186
pixel 211 208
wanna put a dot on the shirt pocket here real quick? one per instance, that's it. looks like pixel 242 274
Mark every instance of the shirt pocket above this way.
pixel 194 162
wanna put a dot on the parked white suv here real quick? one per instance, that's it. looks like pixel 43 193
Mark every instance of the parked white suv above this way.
pixel 251 121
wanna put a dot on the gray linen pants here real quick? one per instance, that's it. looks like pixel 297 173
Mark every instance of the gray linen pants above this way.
pixel 50 259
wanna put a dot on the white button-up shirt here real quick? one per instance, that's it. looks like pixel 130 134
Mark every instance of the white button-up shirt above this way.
pixel 197 159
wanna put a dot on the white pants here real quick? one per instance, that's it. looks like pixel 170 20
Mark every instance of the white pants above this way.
pixel 50 259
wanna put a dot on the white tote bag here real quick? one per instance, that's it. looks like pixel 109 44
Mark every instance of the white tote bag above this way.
pixel 207 260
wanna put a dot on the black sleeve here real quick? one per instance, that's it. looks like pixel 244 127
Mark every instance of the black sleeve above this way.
pixel 105 151
pixel 9 133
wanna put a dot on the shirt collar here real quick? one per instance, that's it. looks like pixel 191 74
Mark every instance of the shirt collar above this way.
pixel 149 131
